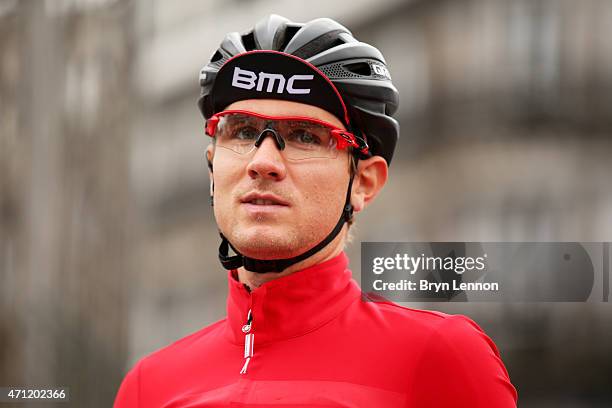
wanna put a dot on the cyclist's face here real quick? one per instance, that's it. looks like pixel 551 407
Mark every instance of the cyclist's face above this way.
pixel 271 207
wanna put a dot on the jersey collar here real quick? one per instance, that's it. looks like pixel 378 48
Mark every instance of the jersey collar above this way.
pixel 291 305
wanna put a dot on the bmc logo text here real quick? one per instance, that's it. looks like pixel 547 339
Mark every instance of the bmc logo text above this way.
pixel 245 79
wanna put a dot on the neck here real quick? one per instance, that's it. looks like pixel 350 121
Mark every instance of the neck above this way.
pixel 254 280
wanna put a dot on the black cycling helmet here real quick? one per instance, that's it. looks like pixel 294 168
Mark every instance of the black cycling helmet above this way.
pixel 357 71
pixel 318 63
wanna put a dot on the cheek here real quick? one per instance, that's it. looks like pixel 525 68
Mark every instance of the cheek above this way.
pixel 324 199
pixel 224 177
pixel 227 172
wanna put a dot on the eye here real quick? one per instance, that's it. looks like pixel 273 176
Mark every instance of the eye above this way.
pixel 245 133
pixel 304 137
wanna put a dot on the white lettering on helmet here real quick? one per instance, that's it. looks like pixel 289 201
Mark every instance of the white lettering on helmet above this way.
pixel 381 70
pixel 294 78
pixel 245 79
pixel 271 79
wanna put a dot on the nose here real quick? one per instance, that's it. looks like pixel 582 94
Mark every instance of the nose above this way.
pixel 267 162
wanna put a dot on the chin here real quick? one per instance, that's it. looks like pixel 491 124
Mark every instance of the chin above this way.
pixel 264 242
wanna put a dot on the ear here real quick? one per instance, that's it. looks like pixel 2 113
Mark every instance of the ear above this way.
pixel 370 177
pixel 209 159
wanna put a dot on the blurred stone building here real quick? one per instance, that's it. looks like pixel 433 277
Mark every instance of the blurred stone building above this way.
pixel 505 114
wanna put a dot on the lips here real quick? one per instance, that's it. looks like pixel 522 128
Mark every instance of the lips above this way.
pixel 263 199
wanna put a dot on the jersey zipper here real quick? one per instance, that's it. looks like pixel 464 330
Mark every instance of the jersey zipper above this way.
pixel 248 341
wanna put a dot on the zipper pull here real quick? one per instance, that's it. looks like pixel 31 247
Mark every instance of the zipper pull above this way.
pixel 248 342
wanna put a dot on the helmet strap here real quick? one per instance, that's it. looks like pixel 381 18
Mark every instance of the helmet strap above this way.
pixel 279 265
pixel 212 183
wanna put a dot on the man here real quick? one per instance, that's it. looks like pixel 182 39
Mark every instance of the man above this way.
pixel 302 134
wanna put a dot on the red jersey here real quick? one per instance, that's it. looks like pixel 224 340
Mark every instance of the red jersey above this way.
pixel 309 340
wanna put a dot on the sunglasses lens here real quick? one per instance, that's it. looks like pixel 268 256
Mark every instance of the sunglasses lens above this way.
pixel 237 133
pixel 307 140
pixel 303 139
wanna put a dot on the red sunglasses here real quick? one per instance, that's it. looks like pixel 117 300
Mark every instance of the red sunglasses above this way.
pixel 299 137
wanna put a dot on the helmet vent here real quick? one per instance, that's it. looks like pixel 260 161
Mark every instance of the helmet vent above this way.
pixel 335 43
pixel 337 71
pixel 359 68
pixel 248 40
pixel 322 43
pixel 216 57
pixel 289 33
